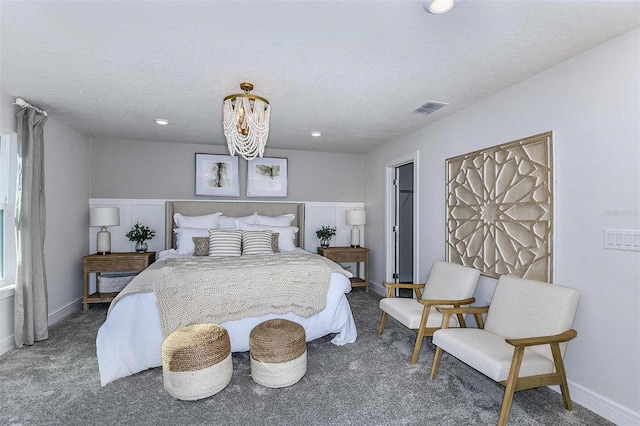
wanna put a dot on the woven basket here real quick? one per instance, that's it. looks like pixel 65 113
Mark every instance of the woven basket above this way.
pixel 196 361
pixel 278 353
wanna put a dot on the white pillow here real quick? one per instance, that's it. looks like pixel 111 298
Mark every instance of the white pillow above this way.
pixel 225 243
pixel 284 220
pixel 184 240
pixel 207 221
pixel 228 222
pixel 286 237
pixel 256 242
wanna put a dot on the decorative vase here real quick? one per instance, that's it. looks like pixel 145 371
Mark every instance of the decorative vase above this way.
pixel 324 242
pixel 141 246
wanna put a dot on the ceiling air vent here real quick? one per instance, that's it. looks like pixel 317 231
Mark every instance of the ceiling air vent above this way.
pixel 429 107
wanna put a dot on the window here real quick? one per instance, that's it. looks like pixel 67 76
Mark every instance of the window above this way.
pixel 8 166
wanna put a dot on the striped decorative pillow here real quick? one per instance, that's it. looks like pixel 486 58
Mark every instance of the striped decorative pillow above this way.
pixel 256 242
pixel 225 243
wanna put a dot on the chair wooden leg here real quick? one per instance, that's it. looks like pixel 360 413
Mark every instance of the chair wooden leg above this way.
pixel 564 387
pixel 416 348
pixel 421 332
pixel 383 321
pixel 510 389
pixel 436 362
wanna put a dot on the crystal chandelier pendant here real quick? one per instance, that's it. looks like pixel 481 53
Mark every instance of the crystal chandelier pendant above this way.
pixel 246 123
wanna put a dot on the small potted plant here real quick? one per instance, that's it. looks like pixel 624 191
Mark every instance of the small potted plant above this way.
pixel 140 234
pixel 325 233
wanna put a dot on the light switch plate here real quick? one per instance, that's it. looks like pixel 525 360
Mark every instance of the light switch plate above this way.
pixel 622 239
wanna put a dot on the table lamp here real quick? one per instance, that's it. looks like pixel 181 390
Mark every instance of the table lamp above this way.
pixel 355 218
pixel 103 217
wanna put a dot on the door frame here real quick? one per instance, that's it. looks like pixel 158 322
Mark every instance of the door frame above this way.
pixel 389 219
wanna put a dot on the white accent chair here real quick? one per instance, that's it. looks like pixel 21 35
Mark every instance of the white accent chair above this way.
pixel 448 284
pixel 523 340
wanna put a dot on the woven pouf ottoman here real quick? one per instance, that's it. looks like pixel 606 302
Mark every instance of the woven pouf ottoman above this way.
pixel 196 361
pixel 278 351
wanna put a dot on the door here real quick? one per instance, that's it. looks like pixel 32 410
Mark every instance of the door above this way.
pixel 404 206
pixel 403 227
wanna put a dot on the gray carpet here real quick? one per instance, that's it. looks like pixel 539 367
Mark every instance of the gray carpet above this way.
pixel 370 382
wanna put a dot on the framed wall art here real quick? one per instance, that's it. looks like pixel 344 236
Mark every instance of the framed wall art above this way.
pixel 267 177
pixel 217 175
pixel 499 204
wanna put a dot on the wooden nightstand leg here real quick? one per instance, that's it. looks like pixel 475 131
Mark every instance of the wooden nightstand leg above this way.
pixel 85 295
pixel 366 273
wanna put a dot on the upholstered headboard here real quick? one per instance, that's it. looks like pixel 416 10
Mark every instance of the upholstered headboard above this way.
pixel 230 208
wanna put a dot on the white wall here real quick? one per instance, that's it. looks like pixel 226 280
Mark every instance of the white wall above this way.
pixel 67 233
pixel 151 213
pixel 67 173
pixel 592 104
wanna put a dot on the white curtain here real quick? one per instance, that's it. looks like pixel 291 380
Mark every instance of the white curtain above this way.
pixel 31 312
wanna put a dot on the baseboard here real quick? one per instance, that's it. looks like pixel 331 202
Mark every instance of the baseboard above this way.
pixel 7 344
pixel 64 312
pixel 600 405
pixel 377 288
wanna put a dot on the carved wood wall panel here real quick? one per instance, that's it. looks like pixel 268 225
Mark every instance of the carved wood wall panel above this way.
pixel 500 209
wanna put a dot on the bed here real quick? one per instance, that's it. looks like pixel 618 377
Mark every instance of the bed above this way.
pixel 131 338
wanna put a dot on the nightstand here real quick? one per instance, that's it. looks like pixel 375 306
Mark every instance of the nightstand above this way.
pixel 350 254
pixel 114 262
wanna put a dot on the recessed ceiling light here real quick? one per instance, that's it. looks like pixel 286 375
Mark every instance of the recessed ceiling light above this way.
pixel 316 134
pixel 439 6
pixel 161 121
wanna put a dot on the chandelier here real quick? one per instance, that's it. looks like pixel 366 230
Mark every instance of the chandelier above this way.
pixel 246 123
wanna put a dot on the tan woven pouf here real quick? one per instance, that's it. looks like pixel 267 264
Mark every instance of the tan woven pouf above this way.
pixel 196 361
pixel 278 353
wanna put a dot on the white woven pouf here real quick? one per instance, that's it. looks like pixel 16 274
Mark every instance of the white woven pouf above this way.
pixel 278 353
pixel 196 361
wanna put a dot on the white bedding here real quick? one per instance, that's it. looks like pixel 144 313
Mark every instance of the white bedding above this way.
pixel 131 338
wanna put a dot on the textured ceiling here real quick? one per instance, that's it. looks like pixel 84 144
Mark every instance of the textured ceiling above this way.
pixel 352 69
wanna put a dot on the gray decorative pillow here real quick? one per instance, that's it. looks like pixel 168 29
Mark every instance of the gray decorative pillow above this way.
pixel 274 242
pixel 201 246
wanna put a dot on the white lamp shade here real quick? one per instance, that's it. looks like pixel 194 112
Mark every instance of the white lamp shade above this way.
pixel 355 217
pixel 104 216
